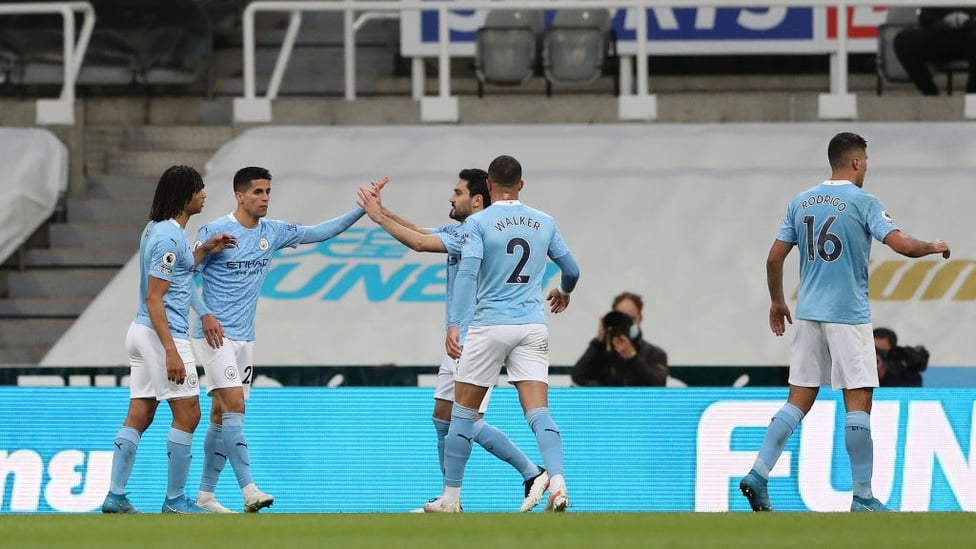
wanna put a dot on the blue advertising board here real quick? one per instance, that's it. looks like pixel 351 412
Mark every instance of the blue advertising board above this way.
pixel 678 31
pixel 373 450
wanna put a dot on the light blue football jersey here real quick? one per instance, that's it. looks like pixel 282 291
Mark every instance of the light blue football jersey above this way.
pixel 450 235
pixel 832 225
pixel 165 253
pixel 513 242
pixel 232 278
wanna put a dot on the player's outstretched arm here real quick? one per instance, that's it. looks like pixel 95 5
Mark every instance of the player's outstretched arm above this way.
pixel 416 240
pixel 333 227
pixel 910 246
pixel 779 311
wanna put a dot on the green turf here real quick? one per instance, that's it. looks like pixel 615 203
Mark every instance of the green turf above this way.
pixel 477 531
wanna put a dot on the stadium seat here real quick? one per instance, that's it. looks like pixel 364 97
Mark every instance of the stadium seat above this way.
pixel 177 57
pixel 8 60
pixel 145 42
pixel 225 20
pixel 889 68
pixel 578 48
pixel 507 47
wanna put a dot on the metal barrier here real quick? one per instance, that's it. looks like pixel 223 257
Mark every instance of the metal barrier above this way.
pixel 61 110
pixel 837 104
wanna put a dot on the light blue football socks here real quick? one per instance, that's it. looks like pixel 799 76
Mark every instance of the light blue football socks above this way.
pixel 780 428
pixel 499 445
pixel 860 448
pixel 457 445
pixel 236 445
pixel 441 427
pixel 178 453
pixel 214 459
pixel 548 438
pixel 123 459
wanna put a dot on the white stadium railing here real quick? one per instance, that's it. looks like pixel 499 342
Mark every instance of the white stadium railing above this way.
pixel 61 110
pixel 838 103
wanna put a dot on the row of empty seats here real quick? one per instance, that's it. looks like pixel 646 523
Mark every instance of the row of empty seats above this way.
pixel 576 49
pixel 133 42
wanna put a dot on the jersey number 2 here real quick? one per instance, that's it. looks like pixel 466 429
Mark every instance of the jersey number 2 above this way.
pixel 820 246
pixel 517 277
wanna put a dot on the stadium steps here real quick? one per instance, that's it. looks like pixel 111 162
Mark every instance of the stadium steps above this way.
pixel 71 260
pixel 17 353
pixel 43 307
pixel 59 283
pixel 95 235
pixel 31 333
pixel 146 151
pixel 79 257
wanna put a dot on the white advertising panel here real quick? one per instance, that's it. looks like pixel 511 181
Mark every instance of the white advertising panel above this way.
pixel 682 214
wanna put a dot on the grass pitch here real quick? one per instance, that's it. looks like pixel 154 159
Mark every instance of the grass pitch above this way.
pixel 477 531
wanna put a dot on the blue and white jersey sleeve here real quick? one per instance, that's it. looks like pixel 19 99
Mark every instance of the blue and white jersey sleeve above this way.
pixel 471 239
pixel 286 235
pixel 557 246
pixel 163 256
pixel 449 237
pixel 880 224
pixel 787 231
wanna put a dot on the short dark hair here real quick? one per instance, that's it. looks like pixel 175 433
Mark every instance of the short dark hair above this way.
pixel 842 145
pixel 477 183
pixel 174 191
pixel 505 171
pixel 886 333
pixel 244 176
pixel 638 300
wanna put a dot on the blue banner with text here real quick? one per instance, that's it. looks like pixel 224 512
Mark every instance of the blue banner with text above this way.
pixel 374 450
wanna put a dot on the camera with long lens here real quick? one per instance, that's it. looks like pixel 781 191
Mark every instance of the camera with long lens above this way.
pixel 616 324
pixel 907 359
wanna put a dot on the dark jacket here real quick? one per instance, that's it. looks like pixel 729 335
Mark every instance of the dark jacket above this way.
pixel 932 18
pixel 599 367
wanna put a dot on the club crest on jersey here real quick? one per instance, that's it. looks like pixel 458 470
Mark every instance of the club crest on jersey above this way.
pixel 263 244
pixel 231 372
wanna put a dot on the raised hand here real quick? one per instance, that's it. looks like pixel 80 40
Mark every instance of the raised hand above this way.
pixel 377 186
pixel 370 202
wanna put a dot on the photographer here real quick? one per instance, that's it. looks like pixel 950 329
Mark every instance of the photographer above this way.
pixel 898 366
pixel 619 356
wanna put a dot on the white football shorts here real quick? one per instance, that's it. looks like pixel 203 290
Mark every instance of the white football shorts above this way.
pixel 841 355
pixel 445 383
pixel 230 365
pixel 523 348
pixel 147 366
